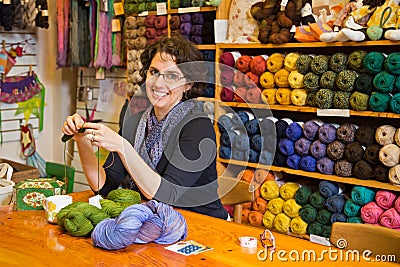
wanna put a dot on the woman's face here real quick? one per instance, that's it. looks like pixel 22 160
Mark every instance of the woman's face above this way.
pixel 166 90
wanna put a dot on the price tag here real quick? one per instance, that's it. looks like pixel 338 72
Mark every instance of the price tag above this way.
pixel 119 9
pixel 100 74
pixel 143 14
pixel 333 112
pixel 6 2
pixel 115 25
pixel 45 13
pixel 320 240
pixel 161 8
pixel 189 9
pixel 220 30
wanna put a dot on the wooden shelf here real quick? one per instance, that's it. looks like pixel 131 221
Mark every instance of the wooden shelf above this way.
pixel 206 47
pixel 315 175
pixel 309 109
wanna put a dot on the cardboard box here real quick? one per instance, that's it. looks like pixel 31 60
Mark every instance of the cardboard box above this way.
pixel 21 171
pixel 30 193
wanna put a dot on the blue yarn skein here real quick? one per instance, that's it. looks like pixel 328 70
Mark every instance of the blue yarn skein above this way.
pixel 302 146
pixel 286 146
pixel 294 131
pixel 141 223
pixel 266 157
pixel 328 189
pixel 308 163
pixel 292 161
pixel 225 152
pixel 225 122
pixel 252 127
pixel 335 203
pixel 257 142
pixel 240 118
pixel 338 217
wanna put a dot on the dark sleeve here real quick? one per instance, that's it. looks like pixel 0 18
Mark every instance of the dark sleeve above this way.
pixel 185 163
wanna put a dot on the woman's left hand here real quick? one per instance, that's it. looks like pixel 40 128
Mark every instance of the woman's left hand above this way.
pixel 104 137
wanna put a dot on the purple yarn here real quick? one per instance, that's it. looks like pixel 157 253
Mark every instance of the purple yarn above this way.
pixel 185 17
pixel 196 39
pixel 286 146
pixel 318 149
pixel 327 133
pixel 292 161
pixel 197 30
pixel 328 189
pixel 198 18
pixel 310 130
pixel 141 223
pixel 308 163
pixel 302 146
pixel 294 131
pixel 325 165
pixel 186 28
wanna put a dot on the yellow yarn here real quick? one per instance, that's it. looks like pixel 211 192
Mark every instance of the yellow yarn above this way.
pixel 298 226
pixel 283 96
pixel 268 96
pixel 268 219
pixel 296 80
pixel 288 190
pixel 276 205
pixel 267 80
pixel 275 62
pixel 269 190
pixel 290 61
pixel 298 97
pixel 291 208
pixel 282 223
pixel 281 78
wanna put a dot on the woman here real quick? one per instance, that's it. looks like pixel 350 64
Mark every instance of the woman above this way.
pixel 169 149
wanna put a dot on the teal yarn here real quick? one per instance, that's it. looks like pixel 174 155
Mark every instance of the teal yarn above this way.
pixel 397 83
pixel 320 64
pixel 373 62
pixel 362 195
pixel 392 63
pixel 355 61
pixel 311 82
pixel 351 209
pixel 341 99
pixel 384 82
pixel 338 62
pixel 328 80
pixel 324 98
pixel 355 219
pixel 345 80
pixel 359 101
pixel 395 103
pixel 379 102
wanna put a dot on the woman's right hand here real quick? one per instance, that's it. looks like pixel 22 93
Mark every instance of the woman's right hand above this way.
pixel 72 125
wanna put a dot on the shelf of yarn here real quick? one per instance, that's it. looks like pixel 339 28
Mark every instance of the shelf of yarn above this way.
pixel 314 175
pixel 176 11
pixel 294 108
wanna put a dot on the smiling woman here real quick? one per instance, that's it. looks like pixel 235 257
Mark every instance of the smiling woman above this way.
pixel 167 152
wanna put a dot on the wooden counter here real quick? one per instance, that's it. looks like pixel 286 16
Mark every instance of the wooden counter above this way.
pixel 27 239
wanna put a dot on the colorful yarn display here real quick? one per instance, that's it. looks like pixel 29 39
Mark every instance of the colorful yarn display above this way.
pixel 141 223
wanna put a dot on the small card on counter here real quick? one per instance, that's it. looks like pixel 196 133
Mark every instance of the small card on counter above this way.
pixel 188 247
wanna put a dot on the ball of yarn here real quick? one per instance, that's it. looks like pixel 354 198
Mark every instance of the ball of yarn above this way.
pixel 283 96
pixel 243 63
pixel 303 64
pixel 381 173
pixel 325 165
pixel 385 199
pixel 227 76
pixel 253 95
pixel 141 223
pixel 338 217
pixel 338 62
pixel 379 102
pixel 316 200
pixel 365 135
pixel 268 96
pixel 362 195
pixel 296 79
pixel 229 58
pixel 267 80
pixel 335 203
pixel 302 146
pixel 324 98
pixel 252 79
pixel 384 134
pixel 328 189
pixel 384 82
pixel 397 137
pixel 318 149
pixel 282 223
pixel 298 226
pixel 392 63
pixel 268 219
pixel 294 131
pixel 364 83
pixel 310 99
pixel 345 80
pixel 286 146
pixel 288 190
pixel 124 197
pixel 303 194
pixel 308 213
pixel 269 190
pixel 311 82
pixel 371 212
pixel 227 94
pixel 351 209
pixel 353 152
pixel 341 100
pixel 275 62
pixel 298 97
pixel 319 64
pixel 258 65
pixel 335 150
pixel 225 122
pixel 395 103
pixel 371 153
pixel 292 161
pixel 373 62
pixel 281 78
pixel 346 132
pixel 359 101
pixel 281 126
pixel 394 175
pixel 327 133
pixel 310 129
pixel 308 163
pixel 290 61
pixel 225 152
pixel 240 94
pixel 328 79
pixel 389 155
pixel 343 168
pixel 363 170
pixel 291 208
pixel 355 60
pixel 275 205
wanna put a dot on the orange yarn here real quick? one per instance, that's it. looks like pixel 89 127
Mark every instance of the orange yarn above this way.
pixel 240 94
pixel 239 79
pixel 243 63
pixel 261 175
pixel 260 205
pixel 246 206
pixel 255 218
pixel 246 175
pixel 253 79
pixel 258 65
pixel 254 95
pixel 245 215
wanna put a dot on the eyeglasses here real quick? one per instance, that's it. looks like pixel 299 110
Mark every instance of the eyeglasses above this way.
pixel 168 77
pixel 267 240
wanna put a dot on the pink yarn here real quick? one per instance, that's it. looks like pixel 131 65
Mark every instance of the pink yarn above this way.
pixel 227 77
pixel 253 95
pixel 240 94
pixel 227 94
pixel 253 79
pixel 385 199
pixel 390 219
pixel 397 204
pixel 370 212
pixel 160 22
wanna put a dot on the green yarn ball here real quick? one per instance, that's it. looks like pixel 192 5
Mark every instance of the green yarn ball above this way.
pixel 359 101
pixel 319 64
pixel 395 103
pixel 345 80
pixel 338 62
pixel 379 102
pixel 373 62
pixel 364 83
pixel 311 82
pixel 392 63
pixel 125 197
pixel 341 99
pixel 113 209
pixel 303 64
pixel 355 60
pixel 310 100
pixel 328 80
pixel 324 98
pixel 384 81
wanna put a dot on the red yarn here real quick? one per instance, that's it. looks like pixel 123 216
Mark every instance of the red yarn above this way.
pixel 240 94
pixel 243 63
pixel 227 76
pixel 253 95
pixel 227 59
pixel 253 79
pixel 227 94
pixel 258 65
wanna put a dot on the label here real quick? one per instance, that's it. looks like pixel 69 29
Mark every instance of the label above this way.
pixel 119 9
pixel 115 25
pixel 7 2
pixel 143 14
pixel 333 112
pixel 161 8
pixel 189 9
pixel 95 201
pixel 45 13
pixel 320 240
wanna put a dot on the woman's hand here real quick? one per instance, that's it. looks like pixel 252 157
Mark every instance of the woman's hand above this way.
pixel 72 125
pixel 104 137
